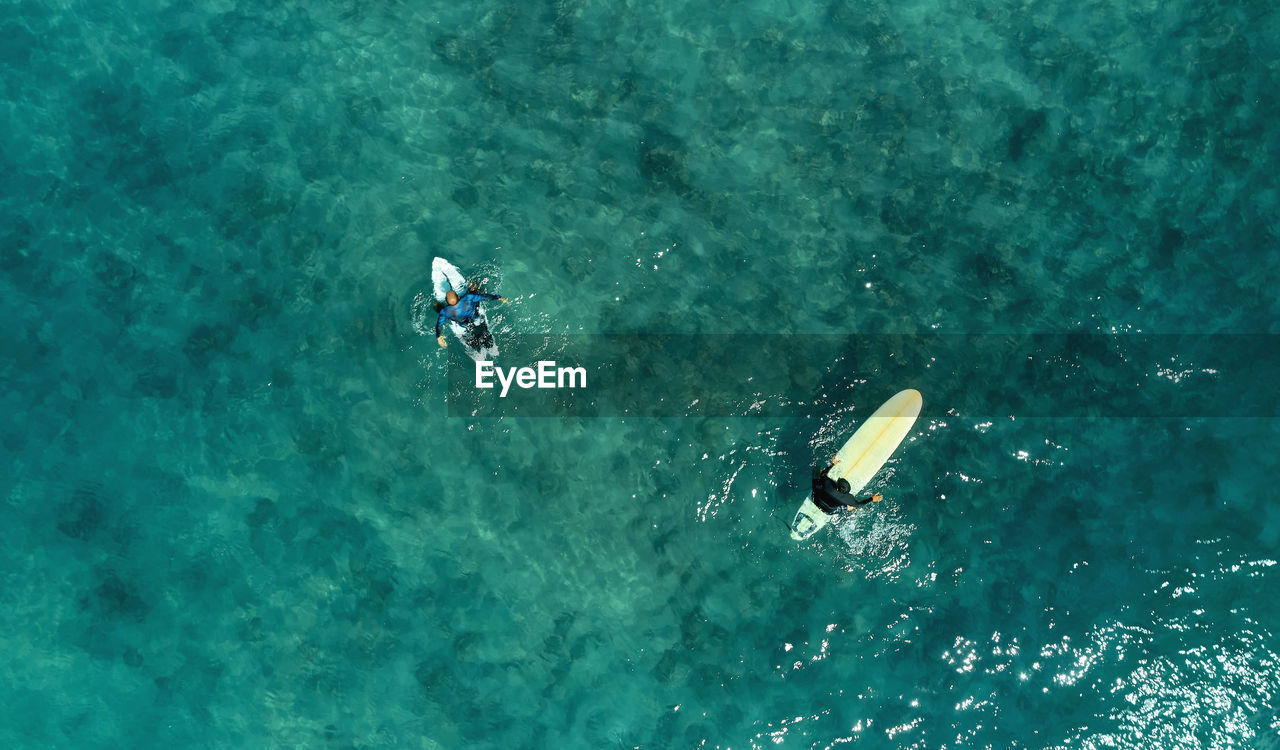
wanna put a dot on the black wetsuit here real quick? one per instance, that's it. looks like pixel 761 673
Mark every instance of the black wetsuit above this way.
pixel 830 496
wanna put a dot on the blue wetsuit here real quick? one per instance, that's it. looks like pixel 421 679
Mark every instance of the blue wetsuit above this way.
pixel 463 313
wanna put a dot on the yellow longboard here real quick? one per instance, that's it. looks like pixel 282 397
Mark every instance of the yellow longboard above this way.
pixel 863 454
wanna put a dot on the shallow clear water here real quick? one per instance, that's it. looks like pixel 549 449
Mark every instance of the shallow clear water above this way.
pixel 238 512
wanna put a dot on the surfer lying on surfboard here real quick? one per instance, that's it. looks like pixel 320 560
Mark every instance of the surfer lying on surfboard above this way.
pixel 462 310
pixel 832 496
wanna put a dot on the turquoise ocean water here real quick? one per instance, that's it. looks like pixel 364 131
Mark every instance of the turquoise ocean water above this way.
pixel 237 512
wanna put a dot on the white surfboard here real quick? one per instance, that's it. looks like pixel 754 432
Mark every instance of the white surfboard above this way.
pixel 446 277
pixel 862 455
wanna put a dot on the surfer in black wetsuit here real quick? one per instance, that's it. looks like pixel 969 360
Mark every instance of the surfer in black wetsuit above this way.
pixel 463 310
pixel 831 496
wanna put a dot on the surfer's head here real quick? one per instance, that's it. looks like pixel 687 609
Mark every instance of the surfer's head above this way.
pixel 451 297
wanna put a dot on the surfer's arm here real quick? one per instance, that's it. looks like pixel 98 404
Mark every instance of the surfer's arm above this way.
pixel 440 319
pixel 482 295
